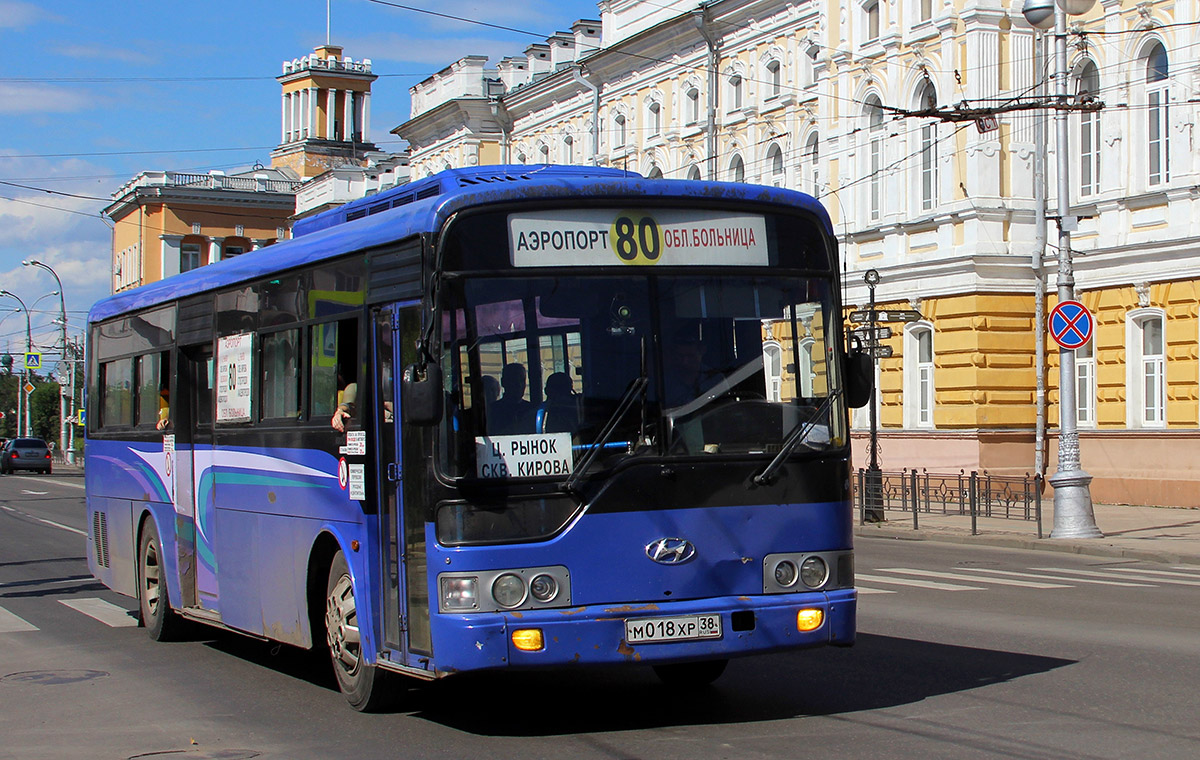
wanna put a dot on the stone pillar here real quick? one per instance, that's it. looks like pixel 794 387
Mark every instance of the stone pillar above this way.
pixel 330 114
pixel 366 116
pixel 214 249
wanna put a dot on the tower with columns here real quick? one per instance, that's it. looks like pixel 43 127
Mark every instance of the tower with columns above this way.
pixel 326 112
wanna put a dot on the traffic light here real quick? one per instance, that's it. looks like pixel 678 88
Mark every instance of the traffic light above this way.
pixel 7 361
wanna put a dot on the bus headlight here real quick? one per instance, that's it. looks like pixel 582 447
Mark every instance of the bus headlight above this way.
pixel 543 588
pixel 814 572
pixel 508 590
pixel 460 594
pixel 785 573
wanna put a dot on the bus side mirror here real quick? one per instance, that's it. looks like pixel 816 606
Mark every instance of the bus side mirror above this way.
pixel 860 379
pixel 421 394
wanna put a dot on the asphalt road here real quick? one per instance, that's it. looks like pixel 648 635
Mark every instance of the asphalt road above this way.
pixel 963 652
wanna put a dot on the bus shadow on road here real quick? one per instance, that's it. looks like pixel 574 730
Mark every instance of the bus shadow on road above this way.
pixel 879 672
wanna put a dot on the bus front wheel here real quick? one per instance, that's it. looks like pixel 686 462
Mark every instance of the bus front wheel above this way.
pixel 154 605
pixel 364 686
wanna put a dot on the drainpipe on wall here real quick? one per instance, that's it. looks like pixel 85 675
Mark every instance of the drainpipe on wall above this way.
pixel 703 20
pixel 578 73
pixel 505 121
pixel 1039 272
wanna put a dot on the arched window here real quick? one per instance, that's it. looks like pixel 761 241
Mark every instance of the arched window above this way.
pixel 875 143
pixel 1145 371
pixel 918 376
pixel 774 78
pixel 735 92
pixel 568 150
pixel 619 131
pixel 811 171
pixel 1157 102
pixel 544 153
pixel 693 172
pixel 737 169
pixel 693 106
pixel 654 119
pixel 773 369
pixel 1088 84
pixel 927 156
pixel 775 161
pixel 654 173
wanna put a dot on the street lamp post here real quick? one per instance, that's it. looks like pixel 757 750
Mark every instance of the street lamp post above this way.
pixel 22 396
pixel 65 429
pixel 1073 515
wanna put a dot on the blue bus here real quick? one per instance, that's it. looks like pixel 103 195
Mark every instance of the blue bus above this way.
pixel 505 417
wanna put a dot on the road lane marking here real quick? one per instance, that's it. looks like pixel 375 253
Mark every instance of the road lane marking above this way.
pixel 98 609
pixel 961 577
pixel 1168 573
pixel 918 584
pixel 51 479
pixel 1058 578
pixel 64 527
pixel 34 493
pixel 10 623
pixel 865 590
pixel 1096 574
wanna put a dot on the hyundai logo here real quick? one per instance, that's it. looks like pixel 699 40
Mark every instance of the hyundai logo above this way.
pixel 671 551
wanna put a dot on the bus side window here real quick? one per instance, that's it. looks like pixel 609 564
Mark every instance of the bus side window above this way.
pixel 280 376
pixel 334 369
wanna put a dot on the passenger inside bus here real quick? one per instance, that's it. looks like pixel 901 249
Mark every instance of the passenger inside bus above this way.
pixel 511 413
pixel 560 412
pixel 164 409
pixel 346 399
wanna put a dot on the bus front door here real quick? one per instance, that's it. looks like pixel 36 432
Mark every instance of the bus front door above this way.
pixel 401 481
pixel 194 480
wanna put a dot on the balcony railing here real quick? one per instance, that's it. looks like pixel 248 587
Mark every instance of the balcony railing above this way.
pixel 210 182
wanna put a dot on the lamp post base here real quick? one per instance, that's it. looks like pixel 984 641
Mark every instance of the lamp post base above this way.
pixel 1073 516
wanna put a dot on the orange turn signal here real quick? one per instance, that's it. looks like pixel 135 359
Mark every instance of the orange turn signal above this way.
pixel 528 639
pixel 809 620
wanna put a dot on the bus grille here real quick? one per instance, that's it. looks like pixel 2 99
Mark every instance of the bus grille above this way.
pixel 100 537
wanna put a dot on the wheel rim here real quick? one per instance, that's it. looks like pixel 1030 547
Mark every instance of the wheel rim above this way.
pixel 341 626
pixel 150 577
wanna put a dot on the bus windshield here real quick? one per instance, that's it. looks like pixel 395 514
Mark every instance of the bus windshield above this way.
pixel 542 371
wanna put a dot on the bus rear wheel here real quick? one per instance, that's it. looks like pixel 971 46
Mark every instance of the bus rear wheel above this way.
pixel 365 687
pixel 691 673
pixel 154 604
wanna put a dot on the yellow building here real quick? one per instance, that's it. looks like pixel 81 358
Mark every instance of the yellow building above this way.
pixel 837 99
pixel 165 223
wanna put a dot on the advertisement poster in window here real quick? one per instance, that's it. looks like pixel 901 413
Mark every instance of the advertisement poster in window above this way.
pixel 234 360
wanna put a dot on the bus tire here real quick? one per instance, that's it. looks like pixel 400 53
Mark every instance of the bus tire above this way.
pixel 365 686
pixel 691 674
pixel 154 603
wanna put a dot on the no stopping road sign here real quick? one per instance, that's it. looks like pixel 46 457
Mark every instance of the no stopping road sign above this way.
pixel 1070 324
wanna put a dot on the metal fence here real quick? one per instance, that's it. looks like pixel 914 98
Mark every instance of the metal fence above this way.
pixel 973 495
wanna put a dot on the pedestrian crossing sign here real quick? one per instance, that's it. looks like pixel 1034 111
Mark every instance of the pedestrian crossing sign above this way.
pixel 33 361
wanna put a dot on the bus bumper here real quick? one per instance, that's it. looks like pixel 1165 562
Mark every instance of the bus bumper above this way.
pixel 597 635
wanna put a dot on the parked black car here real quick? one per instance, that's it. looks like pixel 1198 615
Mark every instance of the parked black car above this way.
pixel 25 454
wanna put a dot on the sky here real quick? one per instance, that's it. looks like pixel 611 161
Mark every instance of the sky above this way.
pixel 93 93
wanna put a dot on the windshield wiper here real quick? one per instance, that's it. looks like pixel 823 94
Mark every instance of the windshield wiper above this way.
pixel 798 434
pixel 636 388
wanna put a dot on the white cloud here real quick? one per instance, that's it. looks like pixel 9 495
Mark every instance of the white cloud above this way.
pixel 14 15
pixel 100 52
pixel 32 99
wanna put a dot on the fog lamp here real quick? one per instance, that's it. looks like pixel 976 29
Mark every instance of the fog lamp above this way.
pixel 528 639
pixel 809 620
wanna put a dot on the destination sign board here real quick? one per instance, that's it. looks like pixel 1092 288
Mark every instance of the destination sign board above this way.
pixel 881 333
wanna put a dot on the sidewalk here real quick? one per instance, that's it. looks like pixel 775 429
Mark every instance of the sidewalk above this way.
pixel 1156 534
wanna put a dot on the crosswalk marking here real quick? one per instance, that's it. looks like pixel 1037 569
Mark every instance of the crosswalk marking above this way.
pixel 10 623
pixel 961 577
pixel 1190 576
pixel 916 583
pixel 98 609
pixel 1108 574
pixel 1033 576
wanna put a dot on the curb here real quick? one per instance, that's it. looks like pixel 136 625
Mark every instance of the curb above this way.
pixel 1092 547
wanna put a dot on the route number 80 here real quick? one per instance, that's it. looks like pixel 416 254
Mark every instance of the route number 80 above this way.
pixel 636 239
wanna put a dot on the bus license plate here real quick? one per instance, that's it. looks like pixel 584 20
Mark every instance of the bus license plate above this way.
pixel 686 628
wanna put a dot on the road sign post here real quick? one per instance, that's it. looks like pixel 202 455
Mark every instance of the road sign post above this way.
pixel 873 483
